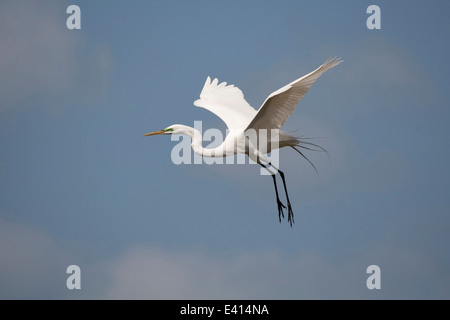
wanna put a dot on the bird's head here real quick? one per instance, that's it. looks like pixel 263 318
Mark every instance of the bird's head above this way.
pixel 173 129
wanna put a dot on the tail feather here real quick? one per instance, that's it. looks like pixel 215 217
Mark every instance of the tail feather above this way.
pixel 297 143
pixel 301 143
pixel 301 153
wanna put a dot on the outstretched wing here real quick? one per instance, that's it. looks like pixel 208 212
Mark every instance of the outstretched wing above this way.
pixel 227 102
pixel 280 104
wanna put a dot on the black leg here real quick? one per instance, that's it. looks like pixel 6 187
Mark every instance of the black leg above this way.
pixel 290 212
pixel 279 203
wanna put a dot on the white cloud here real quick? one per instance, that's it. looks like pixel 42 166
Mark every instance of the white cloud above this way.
pixel 41 58
pixel 33 266
pixel 154 273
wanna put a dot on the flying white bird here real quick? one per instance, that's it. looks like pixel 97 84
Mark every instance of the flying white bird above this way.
pixel 228 103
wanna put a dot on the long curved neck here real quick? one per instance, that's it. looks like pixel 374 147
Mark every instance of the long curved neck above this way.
pixel 197 146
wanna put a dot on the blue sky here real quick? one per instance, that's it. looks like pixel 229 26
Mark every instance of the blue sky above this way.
pixel 80 185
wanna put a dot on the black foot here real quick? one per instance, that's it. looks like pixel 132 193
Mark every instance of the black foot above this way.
pixel 290 215
pixel 280 209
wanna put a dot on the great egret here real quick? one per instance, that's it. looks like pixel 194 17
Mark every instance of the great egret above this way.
pixel 228 103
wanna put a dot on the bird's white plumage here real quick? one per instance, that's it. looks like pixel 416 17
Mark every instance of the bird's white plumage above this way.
pixel 227 102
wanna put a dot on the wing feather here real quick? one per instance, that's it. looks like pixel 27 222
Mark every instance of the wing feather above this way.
pixel 227 102
pixel 280 104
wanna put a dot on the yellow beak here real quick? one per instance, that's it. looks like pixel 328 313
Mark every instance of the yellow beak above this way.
pixel 154 133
